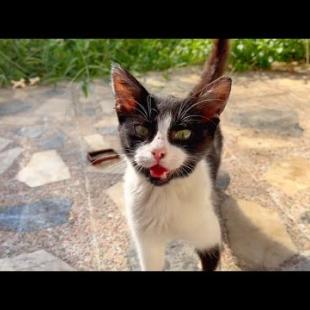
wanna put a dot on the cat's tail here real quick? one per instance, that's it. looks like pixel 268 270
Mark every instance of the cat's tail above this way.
pixel 215 66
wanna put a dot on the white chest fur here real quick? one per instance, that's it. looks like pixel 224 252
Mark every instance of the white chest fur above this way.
pixel 181 209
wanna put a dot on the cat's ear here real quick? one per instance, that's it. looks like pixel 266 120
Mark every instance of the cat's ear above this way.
pixel 212 100
pixel 128 92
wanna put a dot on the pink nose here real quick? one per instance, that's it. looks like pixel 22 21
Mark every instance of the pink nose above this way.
pixel 159 154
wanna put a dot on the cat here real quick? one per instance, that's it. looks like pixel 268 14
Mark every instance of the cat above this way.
pixel 172 149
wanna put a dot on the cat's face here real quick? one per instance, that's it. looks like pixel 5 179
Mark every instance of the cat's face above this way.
pixel 166 138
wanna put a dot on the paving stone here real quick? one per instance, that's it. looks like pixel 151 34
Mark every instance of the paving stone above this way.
pixel 179 257
pixel 262 143
pixel 258 117
pixel 32 132
pixel 107 105
pixel 36 261
pixel 108 130
pixel 90 111
pixel 39 215
pixel 107 121
pixel 8 157
pixel 303 263
pixel 290 174
pixel 4 143
pixel 97 142
pixel 55 91
pixel 116 193
pixel 58 108
pixel 44 167
pixel 55 142
pixel 14 106
pixel 280 122
pixel 256 234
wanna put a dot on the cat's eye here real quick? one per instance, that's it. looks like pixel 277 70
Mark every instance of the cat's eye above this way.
pixel 141 131
pixel 183 134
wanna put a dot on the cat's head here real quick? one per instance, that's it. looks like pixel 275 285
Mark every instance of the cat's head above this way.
pixel 165 138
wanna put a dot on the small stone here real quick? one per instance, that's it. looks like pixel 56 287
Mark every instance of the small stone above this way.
pixel 256 234
pixel 8 157
pixel 4 143
pixel 290 175
pixel 44 167
pixel 14 106
pixel 36 216
pixel 35 261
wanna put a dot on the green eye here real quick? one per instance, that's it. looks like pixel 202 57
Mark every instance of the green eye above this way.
pixel 141 131
pixel 183 134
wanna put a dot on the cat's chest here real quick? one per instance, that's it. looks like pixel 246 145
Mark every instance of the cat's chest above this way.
pixel 179 204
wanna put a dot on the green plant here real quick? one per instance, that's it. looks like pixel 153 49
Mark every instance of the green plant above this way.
pixel 85 59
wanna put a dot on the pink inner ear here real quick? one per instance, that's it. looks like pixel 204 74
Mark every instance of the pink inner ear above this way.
pixel 125 102
pixel 216 97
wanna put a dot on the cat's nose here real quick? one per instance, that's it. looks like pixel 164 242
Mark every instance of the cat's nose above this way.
pixel 159 153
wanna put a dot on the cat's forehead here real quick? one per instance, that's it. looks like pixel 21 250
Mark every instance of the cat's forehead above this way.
pixel 168 105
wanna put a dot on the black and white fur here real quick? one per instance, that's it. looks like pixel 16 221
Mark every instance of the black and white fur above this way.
pixel 179 205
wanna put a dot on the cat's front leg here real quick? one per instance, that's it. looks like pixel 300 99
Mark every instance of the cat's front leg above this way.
pixel 210 258
pixel 151 252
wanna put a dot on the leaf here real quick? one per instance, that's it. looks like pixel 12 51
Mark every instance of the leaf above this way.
pixel 85 86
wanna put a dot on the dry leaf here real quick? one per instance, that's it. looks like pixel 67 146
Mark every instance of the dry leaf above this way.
pixel 34 81
pixel 19 84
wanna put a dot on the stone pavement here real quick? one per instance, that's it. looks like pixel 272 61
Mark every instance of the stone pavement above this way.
pixel 59 213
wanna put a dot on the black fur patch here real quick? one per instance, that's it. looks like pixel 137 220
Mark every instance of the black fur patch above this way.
pixel 198 112
pixel 209 258
pixel 200 145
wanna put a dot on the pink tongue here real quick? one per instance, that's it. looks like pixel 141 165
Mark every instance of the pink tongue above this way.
pixel 157 171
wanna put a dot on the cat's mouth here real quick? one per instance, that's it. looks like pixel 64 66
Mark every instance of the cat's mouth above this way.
pixel 159 172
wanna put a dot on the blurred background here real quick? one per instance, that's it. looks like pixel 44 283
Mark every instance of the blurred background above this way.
pixel 76 59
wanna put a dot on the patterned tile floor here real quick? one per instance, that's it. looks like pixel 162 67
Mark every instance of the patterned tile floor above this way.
pixel 59 213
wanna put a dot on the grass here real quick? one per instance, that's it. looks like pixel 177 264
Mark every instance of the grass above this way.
pixel 82 60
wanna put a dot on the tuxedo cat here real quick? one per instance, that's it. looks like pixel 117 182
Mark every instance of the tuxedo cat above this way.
pixel 173 150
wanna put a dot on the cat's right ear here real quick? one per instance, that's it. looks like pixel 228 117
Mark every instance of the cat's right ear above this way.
pixel 128 92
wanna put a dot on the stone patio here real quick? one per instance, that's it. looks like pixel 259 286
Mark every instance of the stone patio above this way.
pixel 59 213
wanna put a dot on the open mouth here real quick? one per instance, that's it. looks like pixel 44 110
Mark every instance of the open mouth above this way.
pixel 159 172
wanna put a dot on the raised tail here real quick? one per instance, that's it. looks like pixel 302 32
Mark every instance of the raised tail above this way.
pixel 215 66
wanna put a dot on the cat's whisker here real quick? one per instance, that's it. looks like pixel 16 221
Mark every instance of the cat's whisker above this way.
pixel 198 103
pixel 149 105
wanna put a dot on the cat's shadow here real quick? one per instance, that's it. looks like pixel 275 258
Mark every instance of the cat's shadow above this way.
pixel 260 252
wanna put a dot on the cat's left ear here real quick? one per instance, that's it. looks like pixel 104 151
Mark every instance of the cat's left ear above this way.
pixel 212 100
pixel 128 92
